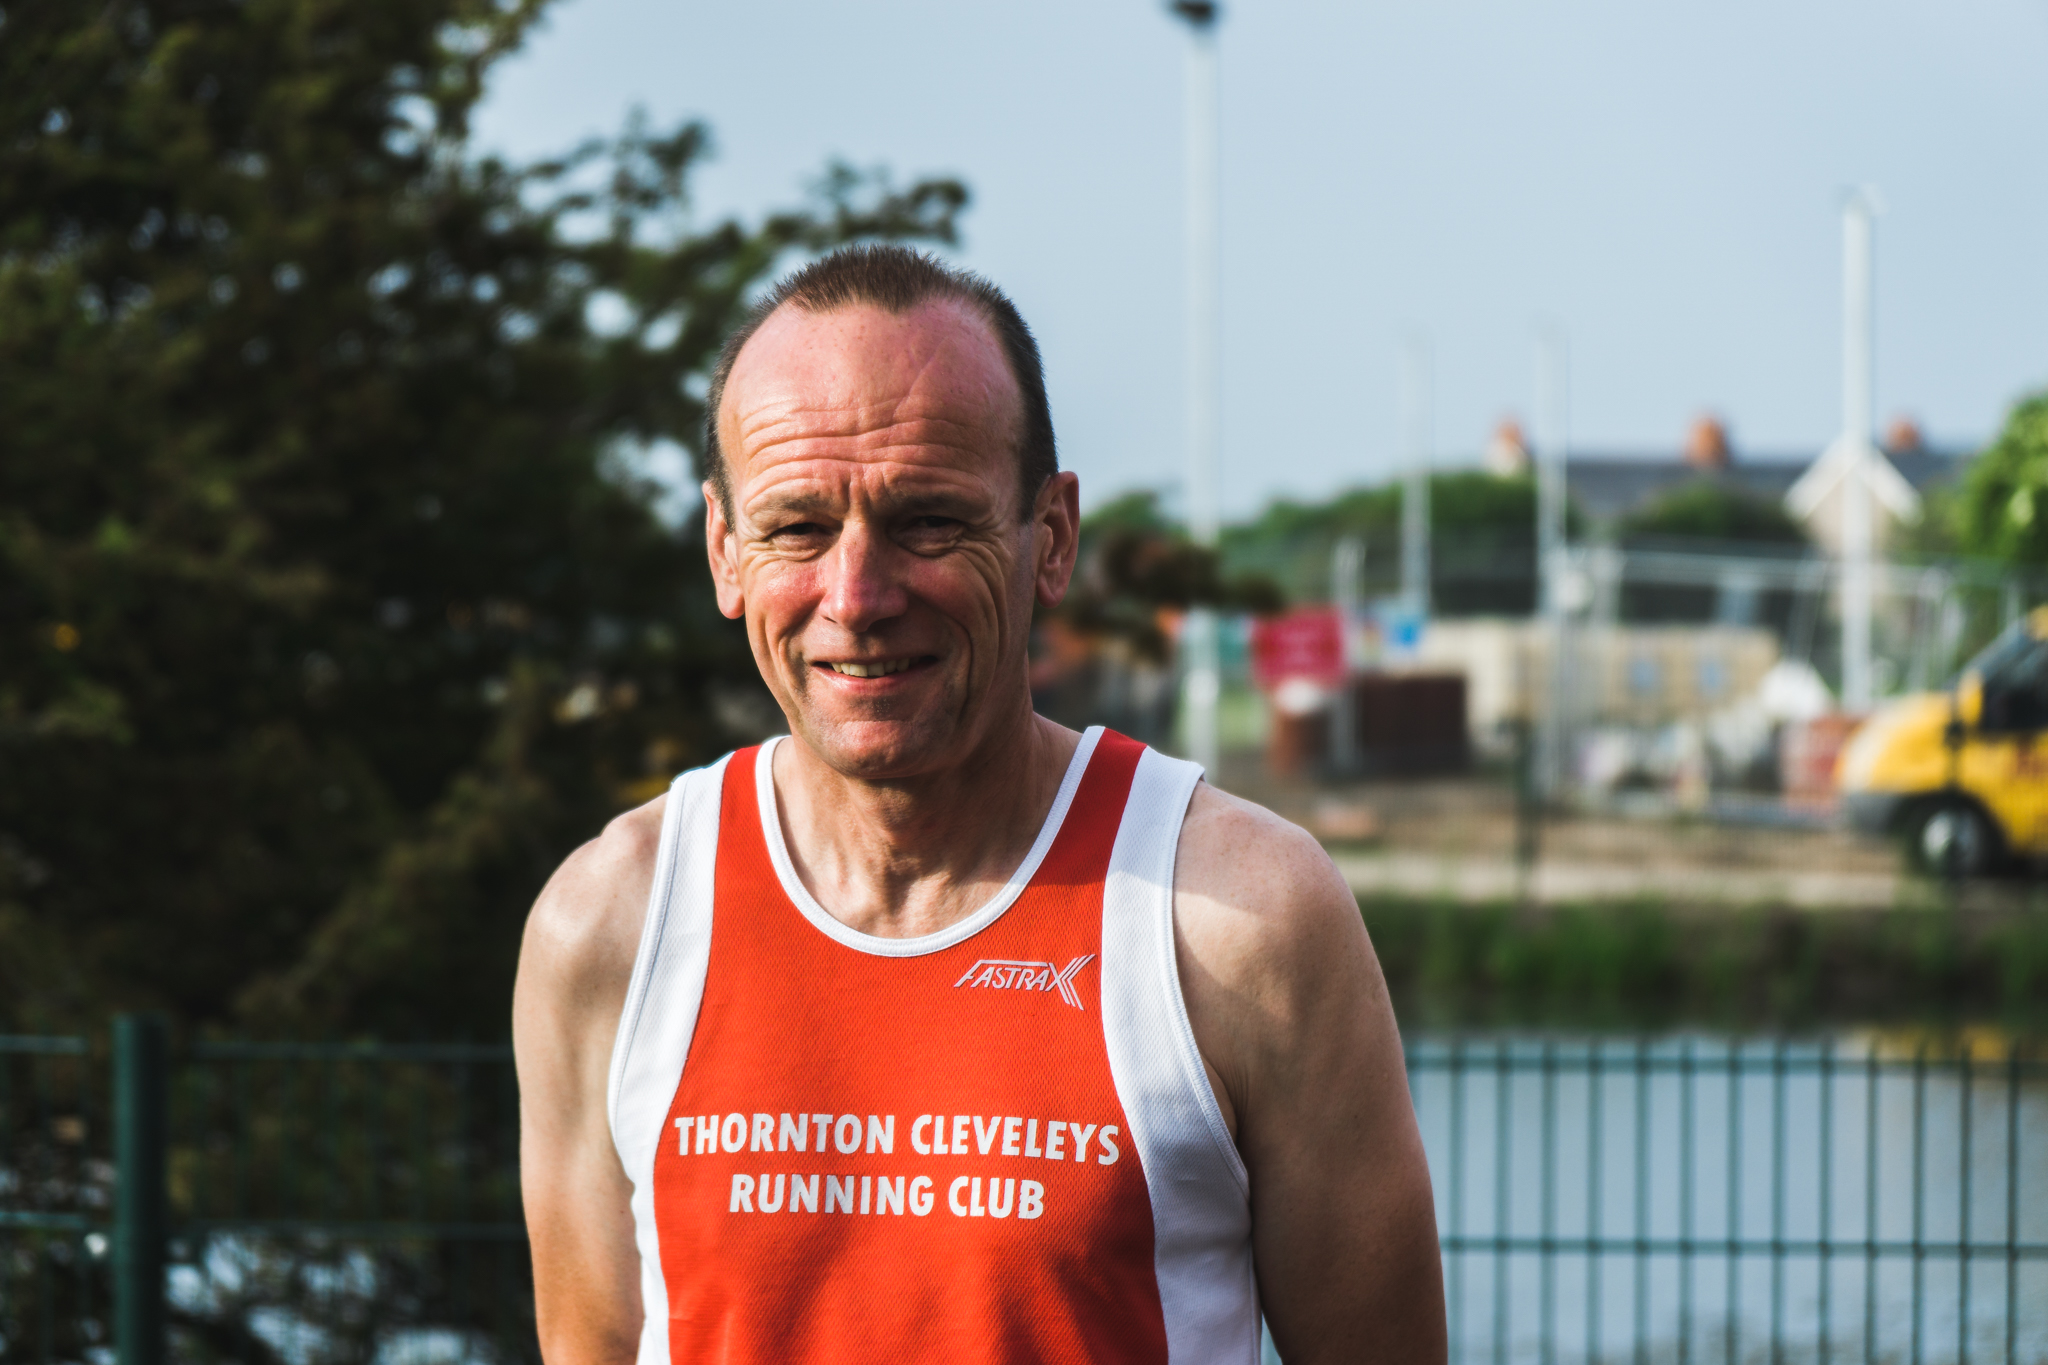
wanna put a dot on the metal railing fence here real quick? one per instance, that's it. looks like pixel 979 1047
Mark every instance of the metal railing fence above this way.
pixel 1600 1200
pixel 1698 1200
pixel 267 1203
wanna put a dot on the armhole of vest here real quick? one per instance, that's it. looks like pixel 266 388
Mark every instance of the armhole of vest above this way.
pixel 1180 785
pixel 684 794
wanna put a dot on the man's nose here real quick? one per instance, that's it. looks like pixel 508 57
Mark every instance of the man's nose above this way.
pixel 863 587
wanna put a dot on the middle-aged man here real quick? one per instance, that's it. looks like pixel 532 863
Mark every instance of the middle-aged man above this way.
pixel 936 1031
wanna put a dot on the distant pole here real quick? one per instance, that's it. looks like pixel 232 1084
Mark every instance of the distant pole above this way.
pixel 1347 567
pixel 1416 441
pixel 1858 419
pixel 1552 420
pixel 1204 684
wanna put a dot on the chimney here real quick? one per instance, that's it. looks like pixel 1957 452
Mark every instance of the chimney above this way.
pixel 1903 436
pixel 1706 445
pixel 1507 454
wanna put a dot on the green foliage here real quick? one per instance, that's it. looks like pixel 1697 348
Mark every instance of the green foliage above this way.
pixel 1638 966
pixel 1705 510
pixel 2004 506
pixel 334 607
pixel 1482 534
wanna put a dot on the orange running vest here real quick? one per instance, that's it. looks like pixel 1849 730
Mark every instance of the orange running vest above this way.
pixel 992 1143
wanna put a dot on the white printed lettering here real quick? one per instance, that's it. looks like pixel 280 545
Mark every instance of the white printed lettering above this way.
pixel 775 1207
pixel 920 1195
pixel 960 1135
pixel 889 1194
pixel 881 1135
pixel 1030 1199
pixel 846 1133
pixel 1109 1149
pixel 682 1137
pixel 1011 1127
pixel 984 1140
pixel 795 1132
pixel 742 1195
pixel 1055 1140
pixel 824 1121
pixel 953 1196
pixel 1002 1196
pixel 866 1192
pixel 1031 1139
pixel 803 1194
pixel 1081 1136
pixel 974 1208
pixel 918 1144
pixel 707 1134
pixel 732 1135
pixel 838 1196
pixel 764 1134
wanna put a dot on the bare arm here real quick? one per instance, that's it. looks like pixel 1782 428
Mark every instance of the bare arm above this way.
pixel 573 968
pixel 1291 1014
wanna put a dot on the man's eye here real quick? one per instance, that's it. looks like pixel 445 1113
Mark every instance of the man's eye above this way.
pixel 928 525
pixel 802 530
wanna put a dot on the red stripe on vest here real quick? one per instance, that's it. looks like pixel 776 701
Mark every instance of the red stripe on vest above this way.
pixel 994 1045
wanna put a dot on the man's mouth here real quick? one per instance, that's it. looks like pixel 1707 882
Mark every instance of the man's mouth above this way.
pixel 875 668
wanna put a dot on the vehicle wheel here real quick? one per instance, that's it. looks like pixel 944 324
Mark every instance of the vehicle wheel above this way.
pixel 1954 830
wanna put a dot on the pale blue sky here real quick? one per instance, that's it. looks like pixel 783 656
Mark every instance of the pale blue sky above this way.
pixel 1664 181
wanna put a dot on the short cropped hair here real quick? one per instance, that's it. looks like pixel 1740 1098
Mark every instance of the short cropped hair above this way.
pixel 896 280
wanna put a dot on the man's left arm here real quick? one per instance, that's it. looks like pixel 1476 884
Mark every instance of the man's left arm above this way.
pixel 1291 1014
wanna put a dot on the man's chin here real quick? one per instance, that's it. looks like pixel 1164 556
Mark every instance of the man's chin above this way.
pixel 882 750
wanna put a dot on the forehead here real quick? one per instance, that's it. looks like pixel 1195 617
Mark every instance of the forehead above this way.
pixel 926 388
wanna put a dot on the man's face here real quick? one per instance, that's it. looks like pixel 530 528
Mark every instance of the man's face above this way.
pixel 876 547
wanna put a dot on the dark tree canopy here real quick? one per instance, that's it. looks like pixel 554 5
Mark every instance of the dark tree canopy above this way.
pixel 1704 510
pixel 334 606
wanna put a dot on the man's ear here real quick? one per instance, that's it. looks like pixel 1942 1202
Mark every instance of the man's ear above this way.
pixel 1056 523
pixel 723 548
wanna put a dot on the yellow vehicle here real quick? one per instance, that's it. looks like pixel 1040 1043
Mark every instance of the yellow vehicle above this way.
pixel 1961 775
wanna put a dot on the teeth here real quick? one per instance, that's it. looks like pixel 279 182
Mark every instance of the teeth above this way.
pixel 881 668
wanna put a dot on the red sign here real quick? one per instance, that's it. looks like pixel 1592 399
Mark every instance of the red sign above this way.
pixel 1307 642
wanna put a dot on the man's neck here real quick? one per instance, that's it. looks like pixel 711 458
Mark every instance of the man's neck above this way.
pixel 905 859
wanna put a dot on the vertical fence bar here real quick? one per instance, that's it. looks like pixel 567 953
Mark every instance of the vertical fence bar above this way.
pixel 2012 1200
pixel 1593 1219
pixel 1778 1203
pixel 1546 1262
pixel 1919 1192
pixel 1963 1214
pixel 1731 1226
pixel 1686 1165
pixel 1870 1073
pixel 140 1056
pixel 1458 1198
pixel 1501 1218
pixel 1642 1196
pixel 1827 1189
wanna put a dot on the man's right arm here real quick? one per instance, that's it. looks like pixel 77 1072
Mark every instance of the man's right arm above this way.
pixel 574 965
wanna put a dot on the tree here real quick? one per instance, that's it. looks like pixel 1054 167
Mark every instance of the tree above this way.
pixel 2003 511
pixel 1706 510
pixel 334 601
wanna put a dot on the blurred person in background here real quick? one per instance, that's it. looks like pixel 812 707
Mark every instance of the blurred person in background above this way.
pixel 936 1030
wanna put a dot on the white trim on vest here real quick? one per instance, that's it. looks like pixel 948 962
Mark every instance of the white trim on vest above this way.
pixel 958 932
pixel 660 1016
pixel 1201 1204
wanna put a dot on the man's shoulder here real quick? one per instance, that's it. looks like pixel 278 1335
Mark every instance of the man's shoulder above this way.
pixel 1238 856
pixel 585 928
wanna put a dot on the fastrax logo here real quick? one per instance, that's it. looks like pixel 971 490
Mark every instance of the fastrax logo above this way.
pixel 1004 975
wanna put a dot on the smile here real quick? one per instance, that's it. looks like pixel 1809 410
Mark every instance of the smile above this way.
pixel 874 668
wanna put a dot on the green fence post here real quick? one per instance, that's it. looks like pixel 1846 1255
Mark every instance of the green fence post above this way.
pixel 140 1212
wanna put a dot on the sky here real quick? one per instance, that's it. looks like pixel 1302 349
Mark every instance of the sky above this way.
pixel 1660 184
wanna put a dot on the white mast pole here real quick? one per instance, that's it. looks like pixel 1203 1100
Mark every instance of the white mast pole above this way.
pixel 1858 419
pixel 1417 440
pixel 1551 438
pixel 1204 368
